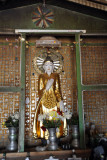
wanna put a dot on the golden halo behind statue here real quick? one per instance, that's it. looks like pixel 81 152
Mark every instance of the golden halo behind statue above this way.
pixel 40 58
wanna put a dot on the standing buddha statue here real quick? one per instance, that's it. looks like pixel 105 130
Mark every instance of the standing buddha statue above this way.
pixel 50 97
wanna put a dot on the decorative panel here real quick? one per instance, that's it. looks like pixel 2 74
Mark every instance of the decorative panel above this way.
pixel 9 61
pixel 95 109
pixel 9 77
pixel 66 78
pixel 9 103
pixel 94 64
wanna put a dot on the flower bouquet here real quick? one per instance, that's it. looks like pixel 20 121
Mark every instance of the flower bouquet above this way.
pixel 68 117
pixel 72 119
pixel 75 119
pixel 12 121
pixel 51 120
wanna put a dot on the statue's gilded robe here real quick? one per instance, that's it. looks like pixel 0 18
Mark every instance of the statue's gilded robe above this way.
pixel 48 100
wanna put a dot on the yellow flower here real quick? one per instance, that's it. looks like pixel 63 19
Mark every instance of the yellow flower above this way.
pixel 3 124
pixel 53 114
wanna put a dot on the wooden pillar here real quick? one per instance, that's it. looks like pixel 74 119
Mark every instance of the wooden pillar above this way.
pixel 79 92
pixel 22 94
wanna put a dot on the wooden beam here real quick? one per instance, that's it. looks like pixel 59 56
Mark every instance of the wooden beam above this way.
pixel 49 31
pixel 10 89
pixel 94 87
pixel 91 4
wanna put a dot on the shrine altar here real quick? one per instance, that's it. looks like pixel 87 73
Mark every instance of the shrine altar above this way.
pixel 34 155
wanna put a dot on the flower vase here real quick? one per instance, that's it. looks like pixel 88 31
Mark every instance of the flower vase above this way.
pixel 12 146
pixel 52 146
pixel 69 134
pixel 75 136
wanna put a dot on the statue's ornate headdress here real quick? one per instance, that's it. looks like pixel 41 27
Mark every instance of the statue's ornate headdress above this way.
pixel 55 58
pixel 48 58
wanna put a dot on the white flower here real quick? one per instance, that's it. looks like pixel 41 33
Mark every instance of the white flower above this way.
pixel 41 117
pixel 16 115
pixel 67 115
pixel 14 120
pixel 53 115
pixel 61 118
pixel 44 116
pixel 12 116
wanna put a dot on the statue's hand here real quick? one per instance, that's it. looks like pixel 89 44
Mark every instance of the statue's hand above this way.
pixel 62 106
pixel 49 84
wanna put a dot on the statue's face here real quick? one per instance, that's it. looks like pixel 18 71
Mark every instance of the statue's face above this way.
pixel 48 67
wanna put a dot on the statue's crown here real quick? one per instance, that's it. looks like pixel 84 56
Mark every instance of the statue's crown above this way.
pixel 48 59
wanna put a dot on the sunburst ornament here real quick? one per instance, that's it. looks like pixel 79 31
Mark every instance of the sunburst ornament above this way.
pixel 39 59
pixel 42 17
